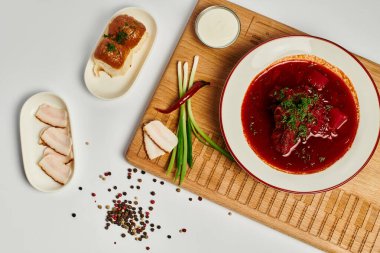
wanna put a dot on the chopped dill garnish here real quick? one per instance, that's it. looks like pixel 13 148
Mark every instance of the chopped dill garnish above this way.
pixel 297 111
pixel 121 36
pixel 302 131
pixel 111 47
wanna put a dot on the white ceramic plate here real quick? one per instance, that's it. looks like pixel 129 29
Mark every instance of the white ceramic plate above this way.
pixel 30 129
pixel 256 61
pixel 105 87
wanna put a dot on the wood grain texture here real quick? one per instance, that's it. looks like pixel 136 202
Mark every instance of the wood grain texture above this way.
pixel 343 220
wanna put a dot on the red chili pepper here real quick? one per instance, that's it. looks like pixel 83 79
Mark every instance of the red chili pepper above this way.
pixel 196 86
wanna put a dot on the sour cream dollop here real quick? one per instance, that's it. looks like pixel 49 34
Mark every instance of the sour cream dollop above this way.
pixel 217 26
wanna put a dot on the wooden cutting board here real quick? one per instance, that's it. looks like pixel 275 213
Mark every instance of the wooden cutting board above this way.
pixel 343 220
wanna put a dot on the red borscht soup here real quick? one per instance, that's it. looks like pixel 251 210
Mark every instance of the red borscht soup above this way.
pixel 300 116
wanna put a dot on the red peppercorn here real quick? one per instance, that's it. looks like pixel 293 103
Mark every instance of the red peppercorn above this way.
pixel 152 201
pixel 93 194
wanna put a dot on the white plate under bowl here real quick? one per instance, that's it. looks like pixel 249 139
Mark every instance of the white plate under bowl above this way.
pixel 107 88
pixel 30 129
pixel 257 60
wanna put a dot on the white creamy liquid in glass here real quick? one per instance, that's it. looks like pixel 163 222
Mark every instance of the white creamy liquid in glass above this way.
pixel 218 27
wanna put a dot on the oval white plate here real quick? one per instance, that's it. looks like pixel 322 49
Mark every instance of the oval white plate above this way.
pixel 105 87
pixel 256 61
pixel 30 129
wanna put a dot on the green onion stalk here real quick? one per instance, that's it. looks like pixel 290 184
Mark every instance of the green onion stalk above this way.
pixel 198 132
pixel 182 153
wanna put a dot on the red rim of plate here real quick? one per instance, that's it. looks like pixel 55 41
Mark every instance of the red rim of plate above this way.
pixel 249 172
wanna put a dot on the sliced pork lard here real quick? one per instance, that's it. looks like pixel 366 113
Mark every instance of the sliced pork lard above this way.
pixel 151 148
pixel 52 116
pixel 161 135
pixel 65 159
pixel 58 139
pixel 53 166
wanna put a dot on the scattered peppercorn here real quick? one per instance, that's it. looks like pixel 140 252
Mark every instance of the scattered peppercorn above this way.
pixel 129 217
pixel 127 214
pixel 200 198
pixel 229 213
pixel 74 215
pixel 80 188
pixel 190 199
pixel 86 143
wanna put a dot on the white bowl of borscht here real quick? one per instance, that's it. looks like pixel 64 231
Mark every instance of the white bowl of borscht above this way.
pixel 300 114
